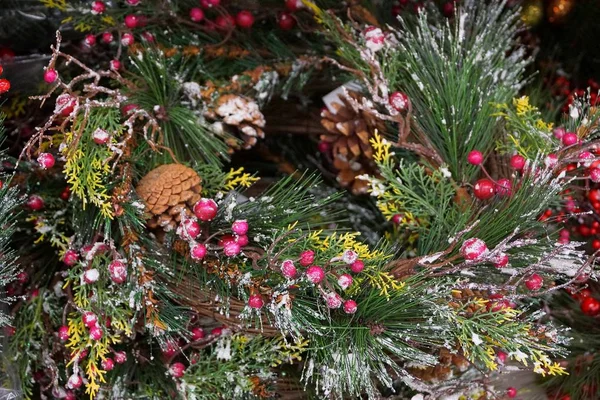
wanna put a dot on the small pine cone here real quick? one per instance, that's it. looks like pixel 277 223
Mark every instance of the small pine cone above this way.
pixel 168 191
pixel 242 113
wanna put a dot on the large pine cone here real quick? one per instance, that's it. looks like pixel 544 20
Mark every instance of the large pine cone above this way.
pixel 167 192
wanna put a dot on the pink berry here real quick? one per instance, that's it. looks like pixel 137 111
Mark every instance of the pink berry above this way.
pixel 46 160
pixel 350 306
pixel 595 175
pixel 286 22
pixel 501 260
pixel 196 14
pixel 564 233
pixel 90 40
pixel 107 37
pixel 127 39
pixel 240 227
pixel 534 282
pixel 242 240
pixel 294 5
pixel 231 249
pixel 511 392
pixel 475 157
pixel 91 276
pixel 559 132
pixel 206 209
pixel 551 161
pixel 255 301
pixel 189 229
pixel 96 333
pixel 357 267
pixel 197 334
pixel 315 274
pixel 98 7
pixel 101 136
pixel 120 357
pixel 132 21
pixel 198 251
pixel 585 157
pixel 345 281
pixel 517 162
pixel 333 300
pixel 504 187
pixel 115 65
pixel 399 101
pixel 288 269
pixel 570 139
pixel 89 319
pixel 118 271
pixel 177 370
pixel 63 333
pixel 397 219
pixel 75 381
pixel 50 75
pixel 473 249
pixel 349 257
pixel 107 364
pixel 374 38
pixel 307 257
pixel 35 202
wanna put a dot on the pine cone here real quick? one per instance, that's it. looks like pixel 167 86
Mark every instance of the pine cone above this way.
pixel 167 192
pixel 349 132
pixel 242 113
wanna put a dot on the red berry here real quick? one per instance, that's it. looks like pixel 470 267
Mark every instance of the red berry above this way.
pixel 293 5
pixel 118 271
pixel 63 333
pixel 50 75
pixel 22 277
pixel 501 261
pixel 225 22
pixel 473 249
pixel 595 175
pixel 128 109
pixel 333 300
pixel 210 3
pixel 177 370
pixel 90 40
pixel 502 356
pixel 350 306
pixel 569 139
pixel 218 331
pixel 345 281
pixel 89 319
pixel 197 334
pixel 115 65
pixel 91 275
pixel 534 282
pixel 206 209
pixel 596 244
pixel 189 229
pixel 399 101
pixel 127 39
pixel 484 189
pixel 357 267
pixel 244 19
pixel 74 382
pixel 98 7
pixel 101 136
pixel 307 257
pixel 196 14
pixel 517 162
pixel 315 274
pixel 511 392
pixel 96 333
pixel 198 251
pixel 590 306
pixel 397 219
pixel 551 160
pixel 475 157
pixel 4 86
pixel 35 202
pixel 240 227
pixel 504 187
pixel 46 160
pixel 132 21
pixel 120 357
pixel 242 240
pixel 107 37
pixel 448 9
pixel 231 248
pixel 288 269
pixel 286 22
pixel 107 364
pixel 349 257
pixel 255 301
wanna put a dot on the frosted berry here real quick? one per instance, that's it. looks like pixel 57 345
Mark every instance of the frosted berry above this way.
pixel 196 14
pixel 350 257
pixel 63 333
pixel 75 381
pixel 132 21
pixel 551 161
pixel 127 39
pixel 244 19
pixel 170 350
pixel 4 85
pixel 35 202
pixel 501 260
pixel 148 37
pixel 107 37
pixel 350 306
pixel 286 22
pixel 590 306
pixel 100 136
pixel 69 395
pixel 397 219
pixel 120 357
pixel 595 175
pixel 504 187
pixel 315 274
pixel 517 162
pixel 307 257
pixel 98 7
pixel 46 160
pixel 399 101
pixel 374 39
pixel 50 75
pixel 128 109
pixel 118 271
pixel 511 392
pixel 89 319
pixel 559 132
pixel 255 301
pixel 242 240
pixel 197 334
pixel 91 276
pixel 357 266
pixel 333 300
pixel 177 370
pixel 570 139
pixel 231 248
pixel 210 3
pixel 501 356
pixel 189 229
pixel 345 281
pixel 107 364
pixel 484 189
pixel 206 209
pixel 240 227
pixel 70 258
pixel 198 251
pixel 534 282
pixel 288 269
pixel 585 157
pixel 475 157
pixel 473 249
pixel 115 65
pixel 90 40
pixel 65 104
pixel 293 5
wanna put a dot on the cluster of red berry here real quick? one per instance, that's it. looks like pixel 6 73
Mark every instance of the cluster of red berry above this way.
pixel 4 83
pixel 563 88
